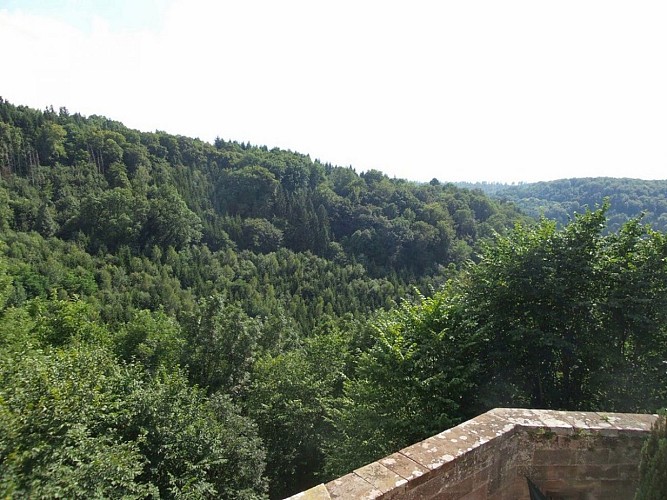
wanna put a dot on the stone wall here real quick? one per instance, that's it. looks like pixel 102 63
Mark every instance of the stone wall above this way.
pixel 568 455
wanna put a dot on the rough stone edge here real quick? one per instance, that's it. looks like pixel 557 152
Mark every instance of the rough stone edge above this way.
pixel 318 492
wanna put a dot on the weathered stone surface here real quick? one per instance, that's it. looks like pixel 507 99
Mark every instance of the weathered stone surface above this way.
pixel 352 486
pixel 403 466
pixel 585 420
pixel 629 422
pixel 318 492
pixel 554 457
pixel 539 419
pixel 381 477
pixel 478 494
pixel 433 453
pixel 437 451
pixel 478 431
pixel 488 424
pixel 440 487
pixel 591 455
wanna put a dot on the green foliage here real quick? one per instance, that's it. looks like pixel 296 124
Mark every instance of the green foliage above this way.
pixel 76 423
pixel 169 221
pixel 417 377
pixel 566 321
pixel 222 344
pixel 152 339
pixel 60 322
pixel 653 465
pixel 6 212
pixel 289 398
pixel 50 142
pixel 5 284
pixel 535 292
pixel 59 415
pixel 196 446
pixel 113 218
pixel 247 191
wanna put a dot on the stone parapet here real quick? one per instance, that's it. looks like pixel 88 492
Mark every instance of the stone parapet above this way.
pixel 568 455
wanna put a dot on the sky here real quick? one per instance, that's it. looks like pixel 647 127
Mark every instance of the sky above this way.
pixel 474 90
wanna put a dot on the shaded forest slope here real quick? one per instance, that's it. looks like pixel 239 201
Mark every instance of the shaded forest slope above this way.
pixel 119 194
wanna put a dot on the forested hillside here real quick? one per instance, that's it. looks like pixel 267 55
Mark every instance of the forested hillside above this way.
pixel 189 320
pixel 561 199
pixel 178 258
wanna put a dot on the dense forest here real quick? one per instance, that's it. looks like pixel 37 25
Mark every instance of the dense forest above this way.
pixel 560 200
pixel 181 319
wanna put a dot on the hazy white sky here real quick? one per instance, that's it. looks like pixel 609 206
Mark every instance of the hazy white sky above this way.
pixel 459 90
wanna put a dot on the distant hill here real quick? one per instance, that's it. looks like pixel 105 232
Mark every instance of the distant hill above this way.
pixel 223 217
pixel 561 199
